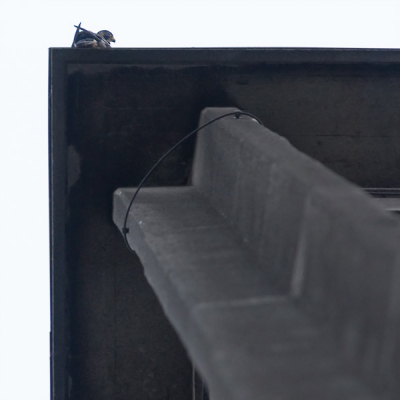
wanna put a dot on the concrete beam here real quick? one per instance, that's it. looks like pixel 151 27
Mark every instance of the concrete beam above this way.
pixel 280 277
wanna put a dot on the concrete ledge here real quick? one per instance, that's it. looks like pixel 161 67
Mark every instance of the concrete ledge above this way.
pixel 248 340
pixel 263 228
pixel 322 239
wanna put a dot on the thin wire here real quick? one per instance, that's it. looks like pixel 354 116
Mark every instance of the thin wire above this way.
pixel 237 115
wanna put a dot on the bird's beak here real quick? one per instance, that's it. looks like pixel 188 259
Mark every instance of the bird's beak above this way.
pixel 112 39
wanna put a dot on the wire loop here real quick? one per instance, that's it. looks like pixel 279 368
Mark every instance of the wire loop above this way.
pixel 236 114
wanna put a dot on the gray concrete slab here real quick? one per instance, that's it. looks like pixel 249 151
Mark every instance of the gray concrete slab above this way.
pixel 270 187
pixel 223 306
pixel 268 349
pixel 191 245
pixel 279 275
pixel 390 203
pixel 322 238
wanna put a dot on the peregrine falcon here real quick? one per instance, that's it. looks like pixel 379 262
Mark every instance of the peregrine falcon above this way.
pixel 86 39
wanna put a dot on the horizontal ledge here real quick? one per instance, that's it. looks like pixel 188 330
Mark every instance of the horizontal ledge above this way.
pixel 248 340
pixel 227 56
pixel 263 225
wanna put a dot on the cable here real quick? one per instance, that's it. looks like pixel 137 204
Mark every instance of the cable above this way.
pixel 237 115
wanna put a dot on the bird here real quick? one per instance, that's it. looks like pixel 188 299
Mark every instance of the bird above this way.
pixel 86 39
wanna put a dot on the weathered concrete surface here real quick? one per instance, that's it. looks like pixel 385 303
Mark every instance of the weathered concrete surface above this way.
pixel 322 238
pixel 275 223
pixel 248 340
pixel 390 203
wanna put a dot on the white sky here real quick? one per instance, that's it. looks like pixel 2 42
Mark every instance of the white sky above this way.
pixel 28 29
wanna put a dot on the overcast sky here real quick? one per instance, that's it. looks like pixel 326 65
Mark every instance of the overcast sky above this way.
pixel 28 30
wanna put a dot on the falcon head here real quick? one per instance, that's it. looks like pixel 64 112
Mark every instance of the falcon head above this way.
pixel 107 35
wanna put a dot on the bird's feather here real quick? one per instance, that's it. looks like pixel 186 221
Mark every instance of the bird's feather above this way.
pixel 88 39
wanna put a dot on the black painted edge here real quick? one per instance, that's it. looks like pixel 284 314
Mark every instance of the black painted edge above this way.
pixel 59 59
pixel 227 56
pixel 57 232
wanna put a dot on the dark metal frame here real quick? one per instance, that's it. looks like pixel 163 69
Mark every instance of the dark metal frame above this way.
pixel 60 59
